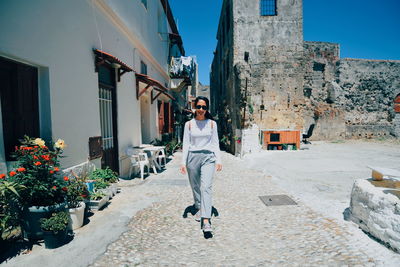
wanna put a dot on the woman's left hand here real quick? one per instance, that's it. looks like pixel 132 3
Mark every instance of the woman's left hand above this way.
pixel 219 167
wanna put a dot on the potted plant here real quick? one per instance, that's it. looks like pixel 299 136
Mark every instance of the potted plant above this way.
pixel 104 178
pixel 97 200
pixel 9 219
pixel 43 190
pixel 76 194
pixel 55 229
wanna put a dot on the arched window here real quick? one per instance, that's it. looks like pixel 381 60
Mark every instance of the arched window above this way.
pixel 397 104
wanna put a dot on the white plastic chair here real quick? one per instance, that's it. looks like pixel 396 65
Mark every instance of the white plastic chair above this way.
pixel 140 160
pixel 161 156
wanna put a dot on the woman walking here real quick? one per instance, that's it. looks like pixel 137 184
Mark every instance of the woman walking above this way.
pixel 201 156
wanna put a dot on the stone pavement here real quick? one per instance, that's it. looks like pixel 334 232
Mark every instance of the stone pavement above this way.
pixel 246 232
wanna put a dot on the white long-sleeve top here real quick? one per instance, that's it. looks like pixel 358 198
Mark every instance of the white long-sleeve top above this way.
pixel 200 136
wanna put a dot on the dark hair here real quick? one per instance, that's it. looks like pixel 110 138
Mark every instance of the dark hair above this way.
pixel 205 99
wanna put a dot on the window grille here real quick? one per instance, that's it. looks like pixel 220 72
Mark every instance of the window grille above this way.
pixel 106 122
pixel 268 7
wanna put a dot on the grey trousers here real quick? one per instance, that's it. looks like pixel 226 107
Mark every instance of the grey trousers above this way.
pixel 201 167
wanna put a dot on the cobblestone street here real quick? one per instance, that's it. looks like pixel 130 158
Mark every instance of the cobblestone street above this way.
pixel 246 232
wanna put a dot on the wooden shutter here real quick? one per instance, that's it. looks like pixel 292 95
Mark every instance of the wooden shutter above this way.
pixel 171 121
pixel 161 117
pixel 19 103
pixel 166 117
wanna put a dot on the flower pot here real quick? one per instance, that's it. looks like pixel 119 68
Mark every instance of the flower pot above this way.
pixel 76 216
pixel 31 219
pixel 114 189
pixel 97 204
pixel 108 192
pixel 52 240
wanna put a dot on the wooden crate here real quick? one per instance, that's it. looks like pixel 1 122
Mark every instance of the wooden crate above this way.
pixel 280 137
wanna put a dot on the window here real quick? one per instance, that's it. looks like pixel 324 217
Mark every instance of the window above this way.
pixel 19 103
pixel 144 2
pixel 143 68
pixel 268 7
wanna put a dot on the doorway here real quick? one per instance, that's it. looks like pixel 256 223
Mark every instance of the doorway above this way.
pixel 19 104
pixel 145 119
pixel 108 117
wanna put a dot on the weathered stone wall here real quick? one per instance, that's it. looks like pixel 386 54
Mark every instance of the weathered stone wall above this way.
pixel 367 89
pixel 274 45
pixel 350 98
pixel 320 91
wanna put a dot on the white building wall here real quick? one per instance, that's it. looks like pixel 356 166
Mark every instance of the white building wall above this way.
pixel 58 37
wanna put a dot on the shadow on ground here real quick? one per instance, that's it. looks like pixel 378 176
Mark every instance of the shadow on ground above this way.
pixel 192 210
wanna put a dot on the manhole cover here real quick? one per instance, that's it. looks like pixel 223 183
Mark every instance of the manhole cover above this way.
pixel 176 182
pixel 277 200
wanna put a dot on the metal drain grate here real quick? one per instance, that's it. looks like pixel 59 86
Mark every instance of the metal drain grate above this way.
pixel 277 200
pixel 173 182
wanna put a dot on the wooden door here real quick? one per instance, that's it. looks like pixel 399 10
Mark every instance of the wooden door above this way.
pixel 108 118
pixel 19 103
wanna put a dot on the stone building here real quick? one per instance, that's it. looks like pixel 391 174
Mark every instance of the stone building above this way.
pixel 203 90
pixel 264 75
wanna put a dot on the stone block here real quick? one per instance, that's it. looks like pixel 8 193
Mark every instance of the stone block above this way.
pixel 375 210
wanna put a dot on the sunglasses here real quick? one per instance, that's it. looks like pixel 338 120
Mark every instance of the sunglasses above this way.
pixel 202 107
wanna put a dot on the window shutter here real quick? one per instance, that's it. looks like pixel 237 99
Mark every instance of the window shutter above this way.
pixel 161 116
pixel 19 103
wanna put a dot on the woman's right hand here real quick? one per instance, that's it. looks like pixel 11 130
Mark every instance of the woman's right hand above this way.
pixel 183 169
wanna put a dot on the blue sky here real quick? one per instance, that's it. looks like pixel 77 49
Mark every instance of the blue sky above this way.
pixel 363 28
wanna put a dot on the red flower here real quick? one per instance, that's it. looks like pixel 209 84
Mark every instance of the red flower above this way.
pixel 45 157
pixel 2 176
pixel 56 169
pixel 35 146
pixel 51 171
pixel 16 148
pixel 84 196
pixel 66 178
pixel 12 173
pixel 64 189
pixel 54 187
pixel 21 169
pixel 37 163
pixel 35 157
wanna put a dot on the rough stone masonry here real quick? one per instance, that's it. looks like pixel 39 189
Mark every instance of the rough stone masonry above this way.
pixel 265 74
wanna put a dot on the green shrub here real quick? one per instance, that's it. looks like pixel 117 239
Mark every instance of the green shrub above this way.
pixel 106 175
pixel 9 215
pixel 56 223
pixel 97 195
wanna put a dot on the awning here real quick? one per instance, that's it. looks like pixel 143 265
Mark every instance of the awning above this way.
pixel 156 85
pixel 106 58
